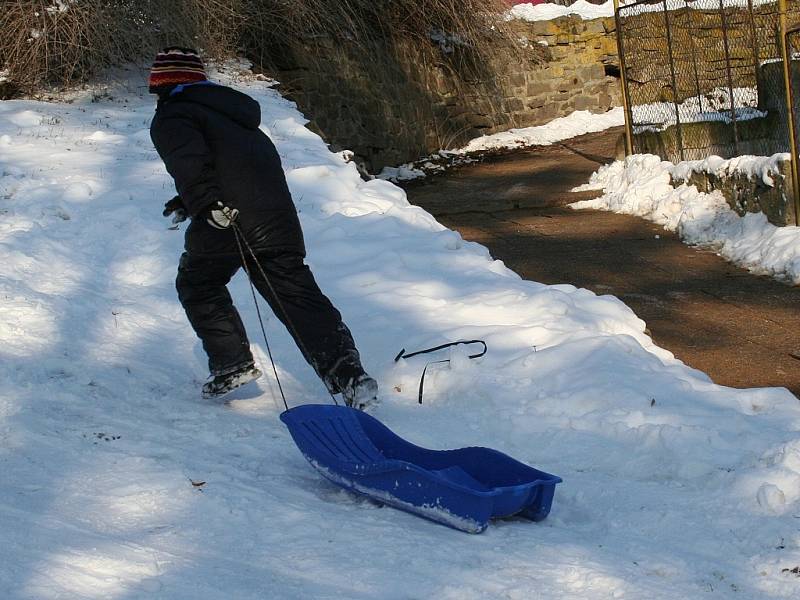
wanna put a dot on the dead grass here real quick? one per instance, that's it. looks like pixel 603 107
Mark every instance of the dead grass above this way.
pixel 64 42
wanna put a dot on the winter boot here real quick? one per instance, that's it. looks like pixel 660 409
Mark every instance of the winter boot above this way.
pixel 222 384
pixel 360 392
pixel 348 378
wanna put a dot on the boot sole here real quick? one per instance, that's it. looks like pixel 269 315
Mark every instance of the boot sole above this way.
pixel 241 380
pixel 366 395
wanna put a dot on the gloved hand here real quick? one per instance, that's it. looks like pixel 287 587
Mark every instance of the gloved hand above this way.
pixel 176 208
pixel 220 216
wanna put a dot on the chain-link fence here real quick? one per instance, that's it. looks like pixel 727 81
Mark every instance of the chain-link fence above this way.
pixel 703 77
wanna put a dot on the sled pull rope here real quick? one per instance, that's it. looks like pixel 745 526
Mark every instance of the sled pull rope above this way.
pixel 240 239
pixel 402 354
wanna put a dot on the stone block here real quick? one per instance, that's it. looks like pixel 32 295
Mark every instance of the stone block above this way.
pixel 545 28
pixel 562 53
pixel 589 72
pixel 536 102
pixel 528 119
pixel 504 121
pixel 569 85
pixel 549 111
pixel 609 45
pixel 483 105
pixel 594 26
pixel 480 121
pixel 586 103
pixel 565 108
pixel 593 87
pixel 517 79
pixel 539 88
pixel 513 104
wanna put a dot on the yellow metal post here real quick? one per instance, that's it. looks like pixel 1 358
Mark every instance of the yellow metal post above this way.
pixel 787 82
pixel 624 78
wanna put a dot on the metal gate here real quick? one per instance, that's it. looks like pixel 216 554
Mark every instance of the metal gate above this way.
pixel 708 77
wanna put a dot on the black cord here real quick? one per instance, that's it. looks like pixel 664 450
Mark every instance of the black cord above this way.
pixel 260 320
pixel 241 239
pixel 403 354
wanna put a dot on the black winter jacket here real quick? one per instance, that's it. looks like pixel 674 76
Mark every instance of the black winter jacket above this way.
pixel 209 140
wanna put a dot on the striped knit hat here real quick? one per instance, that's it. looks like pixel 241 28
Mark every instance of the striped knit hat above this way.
pixel 174 66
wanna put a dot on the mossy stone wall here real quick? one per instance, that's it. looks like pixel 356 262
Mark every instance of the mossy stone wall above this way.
pixel 396 102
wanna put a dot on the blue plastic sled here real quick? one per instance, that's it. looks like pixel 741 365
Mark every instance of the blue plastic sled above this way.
pixel 461 488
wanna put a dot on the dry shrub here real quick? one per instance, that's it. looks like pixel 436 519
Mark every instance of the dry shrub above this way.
pixel 361 19
pixel 465 25
pixel 61 42
pixel 39 40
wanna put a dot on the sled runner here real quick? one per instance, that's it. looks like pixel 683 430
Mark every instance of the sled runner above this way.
pixel 461 488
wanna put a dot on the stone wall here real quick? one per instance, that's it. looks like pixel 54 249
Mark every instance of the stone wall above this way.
pixel 579 55
pixel 397 102
pixel 762 136
pixel 747 192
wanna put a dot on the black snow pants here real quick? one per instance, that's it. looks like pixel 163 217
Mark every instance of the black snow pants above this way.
pixel 314 323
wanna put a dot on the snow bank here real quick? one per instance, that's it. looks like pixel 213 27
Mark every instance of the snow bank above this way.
pixel 765 168
pixel 641 185
pixel 546 11
pixel 576 123
pixel 119 482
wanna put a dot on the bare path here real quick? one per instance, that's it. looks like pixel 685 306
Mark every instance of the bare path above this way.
pixel 739 328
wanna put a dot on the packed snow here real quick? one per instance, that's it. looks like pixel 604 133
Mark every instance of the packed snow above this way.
pixel 576 123
pixel 118 481
pixel 642 185
pixel 765 168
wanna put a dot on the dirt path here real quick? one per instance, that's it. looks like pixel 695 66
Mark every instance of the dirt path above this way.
pixel 741 329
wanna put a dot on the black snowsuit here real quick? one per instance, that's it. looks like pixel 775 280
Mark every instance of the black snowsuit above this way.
pixel 209 140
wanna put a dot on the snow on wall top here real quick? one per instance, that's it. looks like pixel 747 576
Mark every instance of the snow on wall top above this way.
pixel 586 10
pixel 547 12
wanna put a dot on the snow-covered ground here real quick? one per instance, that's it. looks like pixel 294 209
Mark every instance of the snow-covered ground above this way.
pixel 674 487
pixel 641 185
pixel 577 123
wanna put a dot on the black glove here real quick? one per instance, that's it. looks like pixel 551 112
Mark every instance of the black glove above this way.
pixel 220 216
pixel 176 208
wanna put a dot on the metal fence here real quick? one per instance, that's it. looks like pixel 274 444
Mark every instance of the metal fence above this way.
pixel 791 52
pixel 703 77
